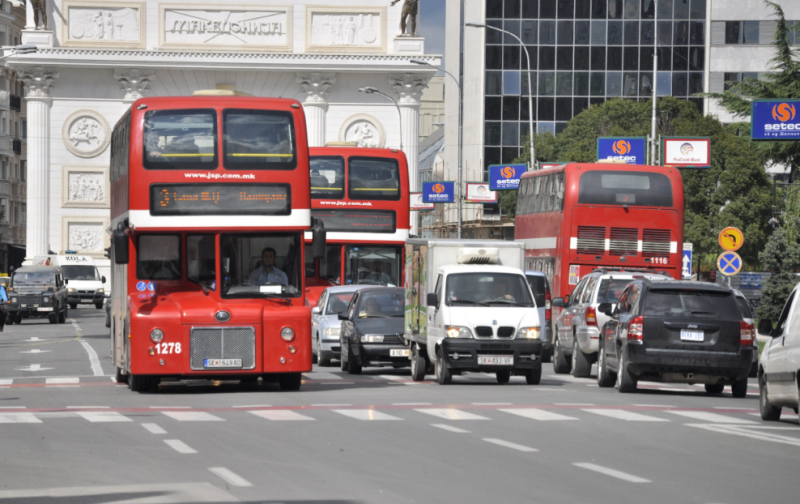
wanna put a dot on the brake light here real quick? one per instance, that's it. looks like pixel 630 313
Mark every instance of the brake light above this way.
pixel 591 316
pixel 746 334
pixel 635 327
pixel 548 312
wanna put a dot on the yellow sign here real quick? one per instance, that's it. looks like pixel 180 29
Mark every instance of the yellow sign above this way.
pixel 731 239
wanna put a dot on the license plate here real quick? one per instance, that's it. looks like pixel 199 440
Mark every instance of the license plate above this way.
pixel 45 309
pixel 398 352
pixel 24 305
pixel 491 360
pixel 222 363
pixel 692 335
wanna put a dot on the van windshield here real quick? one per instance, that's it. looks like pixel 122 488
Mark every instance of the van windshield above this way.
pixel 23 278
pixel 487 289
pixel 80 273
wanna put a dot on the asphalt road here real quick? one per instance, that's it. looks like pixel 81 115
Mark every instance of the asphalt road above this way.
pixel 69 434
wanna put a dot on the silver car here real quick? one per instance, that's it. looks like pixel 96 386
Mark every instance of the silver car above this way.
pixel 325 323
pixel 747 316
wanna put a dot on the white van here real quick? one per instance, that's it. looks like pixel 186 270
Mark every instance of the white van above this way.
pixel 86 285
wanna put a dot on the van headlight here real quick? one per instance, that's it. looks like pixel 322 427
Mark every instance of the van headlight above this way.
pixel 372 338
pixel 529 333
pixel 72 289
pixel 332 331
pixel 100 291
pixel 458 332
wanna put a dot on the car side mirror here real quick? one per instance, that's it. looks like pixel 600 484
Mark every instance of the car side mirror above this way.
pixel 558 302
pixel 103 279
pixel 765 326
pixel 343 316
pixel 433 299
pixel 606 308
pixel 316 310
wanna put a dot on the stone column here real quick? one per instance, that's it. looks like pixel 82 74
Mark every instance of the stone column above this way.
pixel 315 104
pixel 410 90
pixel 133 82
pixel 37 82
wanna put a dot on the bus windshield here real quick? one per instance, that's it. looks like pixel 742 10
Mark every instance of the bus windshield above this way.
pixel 180 139
pixel 327 177
pixel 260 265
pixel 606 187
pixel 80 272
pixel 373 178
pixel 259 139
pixel 373 265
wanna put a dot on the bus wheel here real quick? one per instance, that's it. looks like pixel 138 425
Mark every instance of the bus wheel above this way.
pixel 290 381
pixel 119 377
pixel 139 383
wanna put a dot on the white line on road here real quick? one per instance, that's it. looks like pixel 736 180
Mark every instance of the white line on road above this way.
pixel 280 415
pixel 75 325
pixel 711 417
pixel 411 404
pixel 737 430
pixel 629 416
pixel 365 414
pixel 153 428
pixel 103 416
pixel 612 472
pixel 747 410
pixel 492 404
pixel 170 407
pixel 18 418
pixel 33 367
pixel 654 405
pixel 508 444
pixel 230 477
pixel 6 382
pixel 322 376
pixel 88 407
pixel 179 446
pixel 193 416
pixel 450 428
pixel 35 350
pixel 94 360
pixel 254 406
pixel 331 405
pixel 12 407
pixel 537 414
pixel 573 404
pixel 450 414
pixel 61 381
pixel 34 338
pixel 339 383
pixel 392 377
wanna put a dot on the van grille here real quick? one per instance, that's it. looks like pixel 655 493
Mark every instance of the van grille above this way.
pixel 624 241
pixel 656 242
pixel 591 240
pixel 484 331
pixel 505 332
pixel 223 343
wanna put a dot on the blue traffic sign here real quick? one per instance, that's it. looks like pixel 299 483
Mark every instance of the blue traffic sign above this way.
pixel 775 120
pixel 438 192
pixel 631 149
pixel 502 177
pixel 687 264
pixel 729 263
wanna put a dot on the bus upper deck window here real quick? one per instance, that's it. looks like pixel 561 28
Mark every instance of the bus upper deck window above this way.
pixel 327 177
pixel 180 139
pixel 259 139
pixel 373 178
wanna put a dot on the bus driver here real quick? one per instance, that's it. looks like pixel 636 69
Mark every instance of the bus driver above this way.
pixel 267 273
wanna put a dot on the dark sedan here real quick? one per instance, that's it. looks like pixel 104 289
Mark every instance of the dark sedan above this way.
pixel 372 330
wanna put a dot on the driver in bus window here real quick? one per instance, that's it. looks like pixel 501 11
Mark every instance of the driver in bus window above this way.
pixel 378 275
pixel 267 273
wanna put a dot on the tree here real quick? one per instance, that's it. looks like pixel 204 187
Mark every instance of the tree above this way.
pixel 781 256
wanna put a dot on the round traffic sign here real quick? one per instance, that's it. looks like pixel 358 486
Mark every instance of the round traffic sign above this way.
pixel 731 239
pixel 729 263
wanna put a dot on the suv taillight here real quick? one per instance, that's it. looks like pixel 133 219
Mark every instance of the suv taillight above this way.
pixel 746 334
pixel 548 312
pixel 635 327
pixel 591 316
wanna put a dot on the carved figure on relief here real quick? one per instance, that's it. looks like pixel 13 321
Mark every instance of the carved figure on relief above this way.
pixel 410 9
pixel 104 24
pixel 85 238
pixel 363 134
pixel 86 187
pixel 85 130
pixel 332 29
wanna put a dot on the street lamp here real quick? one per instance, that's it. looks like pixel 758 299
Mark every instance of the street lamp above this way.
pixel 654 145
pixel 372 90
pixel 459 196
pixel 530 94
pixel 21 49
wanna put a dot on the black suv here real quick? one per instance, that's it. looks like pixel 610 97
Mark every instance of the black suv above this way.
pixel 37 291
pixel 680 332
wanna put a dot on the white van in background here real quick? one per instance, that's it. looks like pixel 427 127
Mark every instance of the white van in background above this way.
pixel 85 282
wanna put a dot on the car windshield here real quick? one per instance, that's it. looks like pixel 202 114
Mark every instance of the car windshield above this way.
pixel 43 278
pixel 691 304
pixel 80 273
pixel 744 306
pixel 381 305
pixel 260 265
pixel 338 302
pixel 487 289
pixel 611 289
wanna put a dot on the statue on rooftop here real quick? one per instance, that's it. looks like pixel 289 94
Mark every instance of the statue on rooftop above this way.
pixel 410 8
pixel 39 7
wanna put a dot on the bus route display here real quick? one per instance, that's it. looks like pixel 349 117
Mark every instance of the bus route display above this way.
pixel 358 221
pixel 220 199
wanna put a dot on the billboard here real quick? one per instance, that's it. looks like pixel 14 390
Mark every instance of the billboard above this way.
pixel 505 177
pixel 416 203
pixel 775 120
pixel 438 192
pixel 686 152
pixel 630 149
pixel 479 192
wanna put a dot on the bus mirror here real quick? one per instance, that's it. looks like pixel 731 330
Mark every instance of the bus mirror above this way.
pixel 318 243
pixel 120 248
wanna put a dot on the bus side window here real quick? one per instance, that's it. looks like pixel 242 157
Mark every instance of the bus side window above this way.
pixel 560 191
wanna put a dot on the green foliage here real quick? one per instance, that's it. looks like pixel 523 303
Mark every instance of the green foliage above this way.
pixel 781 256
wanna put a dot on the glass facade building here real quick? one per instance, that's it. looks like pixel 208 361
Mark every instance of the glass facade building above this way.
pixel 583 52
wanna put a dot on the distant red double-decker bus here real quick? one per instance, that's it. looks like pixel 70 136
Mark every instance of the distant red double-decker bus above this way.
pixel 361 197
pixel 210 202
pixel 581 216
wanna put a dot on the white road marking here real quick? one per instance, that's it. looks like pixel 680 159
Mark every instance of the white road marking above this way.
pixel 18 418
pixel 103 416
pixel 492 404
pixel 322 376
pixel 94 360
pixel 654 405
pixel 170 407
pixel 365 414
pixel 537 414
pixel 450 414
pixel 33 367
pixel 36 350
pixel 392 377
pixel 153 428
pixel 339 383
pixel 88 407
pixel 573 404
pixel 280 415
pixel 75 325
pixel 6 382
pixel 34 338
pixel 411 404
pixel 508 444
pixel 254 406
pixel 179 446
pixel 747 410
pixel 450 428
pixel 612 472
pixel 192 416
pixel 331 405
pixel 230 477
pixel 629 416
pixel 737 430
pixel 61 381
pixel 12 407
pixel 711 417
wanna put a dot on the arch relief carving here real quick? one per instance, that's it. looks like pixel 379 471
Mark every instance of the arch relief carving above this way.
pixel 364 130
pixel 86 134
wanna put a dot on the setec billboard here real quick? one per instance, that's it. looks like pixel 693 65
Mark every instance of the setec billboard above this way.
pixel 438 192
pixel 631 149
pixel 504 177
pixel 775 120
pixel 687 152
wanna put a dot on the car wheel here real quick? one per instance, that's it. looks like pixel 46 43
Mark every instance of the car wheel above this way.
pixel 53 318
pixel 119 377
pixel 290 381
pixel 314 356
pixel 604 378
pixel 560 363
pixel 443 375
pixel 352 366
pixel 62 317
pixel 99 306
pixel 581 367
pixel 503 376
pixel 74 306
pixel 18 319
pixel 534 376
pixel 547 355
pixel 753 370
pixel 768 411
pixel 739 388
pixel 625 381
pixel 342 360
pixel 714 388
pixel 418 364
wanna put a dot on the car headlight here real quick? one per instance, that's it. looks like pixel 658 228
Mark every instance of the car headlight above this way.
pixel 287 334
pixel 332 331
pixel 156 335
pixel 372 338
pixel 13 300
pixel 72 289
pixel 458 332
pixel 45 299
pixel 529 333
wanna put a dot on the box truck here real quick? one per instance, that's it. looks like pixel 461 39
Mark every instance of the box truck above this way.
pixel 86 285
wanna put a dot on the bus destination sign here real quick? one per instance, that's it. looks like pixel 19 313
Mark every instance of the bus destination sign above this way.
pixel 357 221
pixel 220 199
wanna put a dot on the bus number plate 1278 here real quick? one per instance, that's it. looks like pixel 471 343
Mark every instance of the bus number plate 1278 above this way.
pixel 222 363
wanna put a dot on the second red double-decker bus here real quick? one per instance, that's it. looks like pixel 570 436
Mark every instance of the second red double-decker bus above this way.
pixel 361 197
pixel 581 216
pixel 209 208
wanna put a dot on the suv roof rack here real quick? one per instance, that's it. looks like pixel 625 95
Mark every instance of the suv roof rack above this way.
pixel 629 270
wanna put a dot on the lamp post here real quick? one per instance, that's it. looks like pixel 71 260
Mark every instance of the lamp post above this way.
pixel 654 145
pixel 530 94
pixel 460 194
pixel 20 49
pixel 372 90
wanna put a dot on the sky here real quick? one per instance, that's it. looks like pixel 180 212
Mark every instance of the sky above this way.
pixel 432 26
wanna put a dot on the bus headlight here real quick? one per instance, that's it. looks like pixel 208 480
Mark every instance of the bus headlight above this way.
pixel 287 334
pixel 458 332
pixel 528 333
pixel 156 335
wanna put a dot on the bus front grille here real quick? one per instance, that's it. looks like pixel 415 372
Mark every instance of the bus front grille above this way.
pixel 223 343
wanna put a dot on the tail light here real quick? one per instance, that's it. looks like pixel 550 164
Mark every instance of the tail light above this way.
pixel 635 327
pixel 548 311
pixel 591 316
pixel 746 334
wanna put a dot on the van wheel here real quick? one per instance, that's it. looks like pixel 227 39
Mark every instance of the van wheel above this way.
pixel 62 317
pixel 625 381
pixel 604 378
pixel 53 318
pixel 560 363
pixel 418 363
pixel 503 376
pixel 768 411
pixel 99 305
pixel 714 388
pixel 739 388
pixel 74 306
pixel 547 355
pixel 534 376
pixel 581 367
pixel 443 375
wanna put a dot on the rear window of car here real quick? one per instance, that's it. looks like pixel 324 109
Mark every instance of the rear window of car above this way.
pixel 691 304
pixel 538 286
pixel 744 306
pixel 611 289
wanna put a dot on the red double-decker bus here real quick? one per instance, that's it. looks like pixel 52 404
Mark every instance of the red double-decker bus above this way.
pixel 577 217
pixel 210 202
pixel 361 196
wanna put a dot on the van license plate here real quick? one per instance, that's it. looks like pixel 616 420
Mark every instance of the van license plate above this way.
pixel 45 309
pixel 492 360
pixel 692 335
pixel 222 363
pixel 398 352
